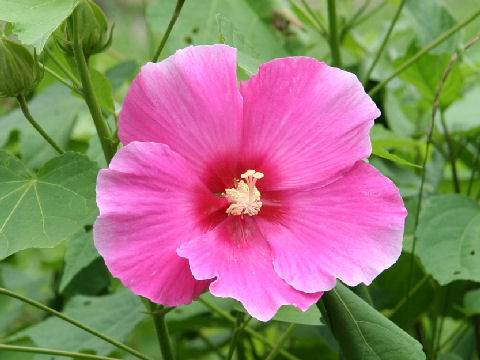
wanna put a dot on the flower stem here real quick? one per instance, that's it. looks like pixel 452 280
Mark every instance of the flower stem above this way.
pixel 89 94
pixel 158 316
pixel 73 322
pixel 173 19
pixel 62 80
pixel 333 34
pixel 425 50
pixel 451 153
pixel 26 112
pixel 279 344
pixel 247 329
pixel 37 350
pixel 384 42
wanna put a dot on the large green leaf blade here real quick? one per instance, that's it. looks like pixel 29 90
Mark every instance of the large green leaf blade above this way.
pixel 35 20
pixel 363 333
pixel 449 238
pixel 44 209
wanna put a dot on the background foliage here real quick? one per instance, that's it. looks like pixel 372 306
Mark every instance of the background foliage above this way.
pixel 425 80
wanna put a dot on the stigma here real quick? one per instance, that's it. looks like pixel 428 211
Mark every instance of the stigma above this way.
pixel 245 197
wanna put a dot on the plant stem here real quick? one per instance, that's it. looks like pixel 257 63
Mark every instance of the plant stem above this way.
pixel 26 112
pixel 89 94
pixel 239 323
pixel 384 42
pixel 158 317
pixel 73 322
pixel 36 350
pixel 62 67
pixel 333 34
pixel 247 329
pixel 425 50
pixel 281 341
pixel 451 153
pixel 173 19
pixel 62 80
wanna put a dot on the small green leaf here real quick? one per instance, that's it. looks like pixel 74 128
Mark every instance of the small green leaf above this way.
pixel 471 301
pixel 363 333
pixel 80 252
pixel 113 315
pixel 233 37
pixel 449 238
pixel 426 74
pixel 293 315
pixel 380 151
pixel 35 20
pixel 103 90
pixel 43 209
pixel 462 116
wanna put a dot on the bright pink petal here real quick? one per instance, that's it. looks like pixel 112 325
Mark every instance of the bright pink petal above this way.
pixel 190 102
pixel 352 229
pixel 236 253
pixel 149 205
pixel 310 120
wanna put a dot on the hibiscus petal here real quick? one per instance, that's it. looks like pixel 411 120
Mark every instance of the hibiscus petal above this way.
pixel 311 120
pixel 146 212
pixel 237 254
pixel 190 102
pixel 352 229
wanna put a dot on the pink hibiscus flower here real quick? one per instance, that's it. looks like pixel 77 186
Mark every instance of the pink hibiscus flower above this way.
pixel 258 193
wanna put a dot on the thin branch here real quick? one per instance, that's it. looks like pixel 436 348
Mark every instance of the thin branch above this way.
pixel 384 42
pixel 73 322
pixel 26 112
pixel 424 51
pixel 70 354
pixel 62 80
pixel 281 341
pixel 173 19
pixel 451 153
pixel 313 20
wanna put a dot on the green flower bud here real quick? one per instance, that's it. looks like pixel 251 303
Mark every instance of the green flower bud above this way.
pixel 19 70
pixel 93 26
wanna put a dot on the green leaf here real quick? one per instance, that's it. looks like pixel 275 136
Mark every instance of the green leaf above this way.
pixel 233 37
pixel 121 73
pixel 43 209
pixel 426 74
pixel 35 20
pixel 103 90
pixel 431 19
pixel 462 116
pixel 113 315
pixel 449 238
pixel 197 25
pixel 471 301
pixel 363 333
pixel 56 111
pixel 291 314
pixel 80 252
pixel 380 151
